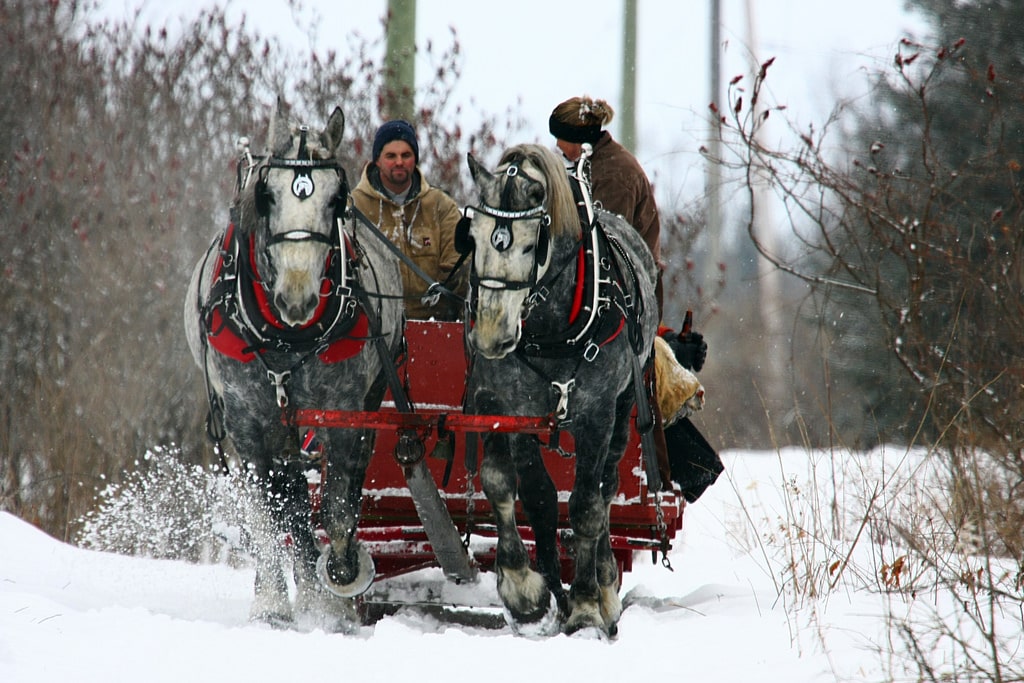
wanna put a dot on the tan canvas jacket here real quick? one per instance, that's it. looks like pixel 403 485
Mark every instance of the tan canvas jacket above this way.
pixel 424 229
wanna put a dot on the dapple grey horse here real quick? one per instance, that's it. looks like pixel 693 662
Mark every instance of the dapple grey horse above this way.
pixel 292 308
pixel 564 319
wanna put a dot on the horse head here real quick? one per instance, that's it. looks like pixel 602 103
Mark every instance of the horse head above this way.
pixel 526 206
pixel 297 195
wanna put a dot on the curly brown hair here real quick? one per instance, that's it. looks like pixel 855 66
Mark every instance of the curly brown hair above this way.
pixel 583 111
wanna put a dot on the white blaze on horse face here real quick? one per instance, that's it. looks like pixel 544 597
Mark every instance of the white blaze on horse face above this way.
pixel 499 307
pixel 300 264
pixel 296 290
pixel 497 328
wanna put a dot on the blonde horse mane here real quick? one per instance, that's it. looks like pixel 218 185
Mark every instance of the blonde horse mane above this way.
pixel 561 205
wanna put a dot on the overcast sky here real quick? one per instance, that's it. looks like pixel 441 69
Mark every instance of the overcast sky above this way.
pixel 540 52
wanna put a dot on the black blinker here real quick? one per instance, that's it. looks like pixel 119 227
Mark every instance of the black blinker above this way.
pixel 463 240
pixel 262 195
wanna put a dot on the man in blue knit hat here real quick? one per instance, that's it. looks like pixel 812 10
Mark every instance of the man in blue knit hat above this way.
pixel 418 218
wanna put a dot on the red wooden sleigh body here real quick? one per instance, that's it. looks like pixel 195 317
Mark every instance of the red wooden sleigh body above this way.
pixel 434 372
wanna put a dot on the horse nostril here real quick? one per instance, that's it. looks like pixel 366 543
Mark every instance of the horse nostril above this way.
pixel 295 313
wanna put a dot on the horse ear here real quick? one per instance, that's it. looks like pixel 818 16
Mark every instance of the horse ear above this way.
pixel 477 170
pixel 280 132
pixel 335 131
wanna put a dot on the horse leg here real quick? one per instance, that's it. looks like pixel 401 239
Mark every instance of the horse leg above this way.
pixel 608 576
pixel 585 515
pixel 345 568
pixel 314 608
pixel 523 592
pixel 287 501
pixel 291 487
pixel 270 599
pixel 270 602
pixel 540 503
pixel 588 516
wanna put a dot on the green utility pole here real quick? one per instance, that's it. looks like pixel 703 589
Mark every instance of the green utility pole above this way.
pixel 627 109
pixel 713 177
pixel 400 61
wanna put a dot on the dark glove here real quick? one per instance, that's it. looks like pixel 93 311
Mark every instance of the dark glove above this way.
pixel 690 349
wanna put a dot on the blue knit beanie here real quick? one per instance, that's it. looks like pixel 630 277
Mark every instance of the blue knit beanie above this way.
pixel 395 130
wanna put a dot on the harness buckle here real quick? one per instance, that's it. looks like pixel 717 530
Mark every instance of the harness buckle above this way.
pixel 350 307
pixel 590 351
pixel 535 297
pixel 432 295
pixel 279 379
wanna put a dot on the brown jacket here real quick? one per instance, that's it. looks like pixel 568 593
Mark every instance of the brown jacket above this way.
pixel 621 186
pixel 424 229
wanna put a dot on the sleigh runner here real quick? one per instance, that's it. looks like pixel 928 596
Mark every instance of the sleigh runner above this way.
pixel 390 527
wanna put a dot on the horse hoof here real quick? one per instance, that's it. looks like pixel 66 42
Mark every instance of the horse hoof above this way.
pixel 317 609
pixel 586 621
pixel 539 624
pixel 589 633
pixel 278 621
pixel 358 585
pixel 611 606
pixel 272 609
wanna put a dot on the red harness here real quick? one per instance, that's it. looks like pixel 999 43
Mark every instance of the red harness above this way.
pixel 577 299
pixel 230 335
pixel 597 331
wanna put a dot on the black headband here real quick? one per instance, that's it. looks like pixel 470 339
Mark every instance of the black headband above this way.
pixel 571 133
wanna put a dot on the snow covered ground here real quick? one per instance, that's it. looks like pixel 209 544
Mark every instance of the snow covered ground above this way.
pixel 748 600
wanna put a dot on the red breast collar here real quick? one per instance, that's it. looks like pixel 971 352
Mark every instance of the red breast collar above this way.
pixel 242 322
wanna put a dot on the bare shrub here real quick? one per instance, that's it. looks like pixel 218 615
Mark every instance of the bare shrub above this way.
pixel 116 171
pixel 911 251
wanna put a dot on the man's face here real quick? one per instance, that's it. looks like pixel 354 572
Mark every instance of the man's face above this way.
pixel 396 163
pixel 571 150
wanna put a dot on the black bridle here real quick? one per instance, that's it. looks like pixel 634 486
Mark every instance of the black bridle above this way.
pixel 302 187
pixel 502 234
pixel 340 308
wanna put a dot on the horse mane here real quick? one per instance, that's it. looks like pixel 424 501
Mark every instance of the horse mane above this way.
pixel 561 205
pixel 245 206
